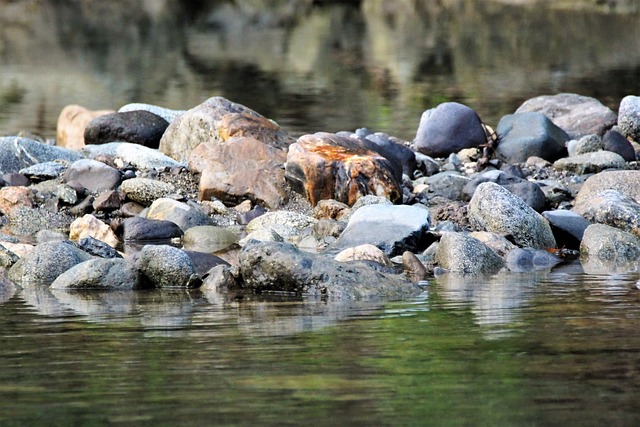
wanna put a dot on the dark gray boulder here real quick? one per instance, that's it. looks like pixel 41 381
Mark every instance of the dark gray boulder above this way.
pixel 616 143
pixel 567 226
pixel 529 134
pixel 46 262
pixel 99 273
pixel 164 266
pixel 18 153
pixel 528 191
pixel 138 228
pixel 138 127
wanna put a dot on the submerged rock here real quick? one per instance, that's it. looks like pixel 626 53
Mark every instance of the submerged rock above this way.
pixel 100 273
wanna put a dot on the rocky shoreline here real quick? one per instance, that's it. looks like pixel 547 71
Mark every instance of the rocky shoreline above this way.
pixel 220 197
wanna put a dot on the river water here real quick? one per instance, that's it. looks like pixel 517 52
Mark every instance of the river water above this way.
pixel 557 347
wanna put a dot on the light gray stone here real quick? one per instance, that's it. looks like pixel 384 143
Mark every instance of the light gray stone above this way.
pixel 93 175
pixel 164 266
pixel 46 262
pixel 463 254
pixel 287 224
pixel 99 273
pixel 182 214
pixel 208 238
pixel 145 190
pixel 137 155
pixel 608 243
pixel 590 162
pixel 613 208
pixel 17 153
pixel 629 117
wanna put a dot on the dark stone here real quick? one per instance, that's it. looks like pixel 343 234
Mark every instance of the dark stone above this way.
pixel 245 218
pixel 402 157
pixel 529 134
pixel 18 153
pixel 138 127
pixel 615 142
pixel 16 180
pixel 203 262
pixel 82 208
pixel 138 228
pixel 93 175
pixel 98 248
pixel 108 200
pixel 568 227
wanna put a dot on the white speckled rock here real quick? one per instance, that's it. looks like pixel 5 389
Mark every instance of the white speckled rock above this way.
pixel 145 190
pixel 461 253
pixel 286 224
pixel 590 162
pixel 629 117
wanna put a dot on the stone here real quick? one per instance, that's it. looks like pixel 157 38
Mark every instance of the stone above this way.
pixel 629 117
pixel 244 218
pixel 555 192
pixel 498 243
pixel 521 260
pixel 393 229
pixel 208 239
pixel 72 121
pixel 494 208
pixel 329 209
pixel 93 175
pixel 568 227
pixel 449 128
pixel 138 127
pixel 141 229
pixel 286 223
pixel 18 153
pixel 626 182
pixel 43 171
pixel 529 134
pixel 239 169
pixel 218 278
pixel 327 166
pixel 615 142
pixel 462 254
pixel 528 191
pixel 141 157
pixel 217 120
pixel 146 190
pixel 613 208
pixel 203 262
pixel 12 199
pixel 66 194
pixel 413 268
pixel 46 262
pixel 590 162
pixel 608 243
pixel 363 252
pixel 426 165
pixel 16 180
pixel 447 184
pixel 281 267
pixel 164 266
pixel 90 226
pixel 7 257
pixel 166 113
pixel 577 115
pixel 98 248
pixel 108 201
pixel 50 236
pixel 587 144
pixel 182 214
pixel 99 273
pixel 402 157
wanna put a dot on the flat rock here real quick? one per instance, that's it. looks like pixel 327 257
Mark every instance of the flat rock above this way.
pixel 182 214
pixel 138 127
pixel 46 262
pixel 590 162
pixel 164 266
pixel 43 171
pixel 98 248
pixel 141 229
pixel 17 153
pixel 629 117
pixel 463 254
pixel 72 122
pixel 99 273
pixel 137 155
pixel 146 190
pixel 608 243
pixel 529 134
pixel 93 175
pixel 166 113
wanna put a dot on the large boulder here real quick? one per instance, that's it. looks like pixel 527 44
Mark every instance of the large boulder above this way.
pixel 613 208
pixel 626 182
pixel 607 243
pixel 577 115
pixel 494 208
pixel 327 166
pixel 463 254
pixel 18 153
pixel 99 273
pixel 239 169
pixel 629 117
pixel 138 127
pixel 529 134
pixel 46 262
pixel 72 122
pixel 218 120
pixel 449 128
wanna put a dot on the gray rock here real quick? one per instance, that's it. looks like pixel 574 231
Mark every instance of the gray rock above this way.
pixel 66 194
pixel 394 229
pixel 182 214
pixel 389 148
pixel 98 248
pixel 43 171
pixel 629 117
pixel 93 175
pixel 567 226
pixel 555 192
pixel 493 208
pixel 626 182
pixel 139 127
pixel 46 262
pixel 609 244
pixel 426 165
pixel 527 259
pixel 166 113
pixel 145 190
pixel 7 258
pixel 134 154
pixel 280 267
pixel 43 236
pixel 208 238
pixel 586 144
pixel 449 128
pixel 461 253
pixel 285 223
pixel 615 142
pixel 165 266
pixel 613 208
pixel 529 134
pixel 528 191
pixel 575 114
pixel 590 162
pixel 447 184
pixel 7 289
pixel 203 262
pixel 100 273
pixel 141 229
pixel 17 153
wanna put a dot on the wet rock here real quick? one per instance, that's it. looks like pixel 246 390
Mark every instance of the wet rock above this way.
pixel 327 166
pixel 138 127
pixel 208 238
pixel 93 175
pixel 629 117
pixel 72 122
pixel 447 184
pixel 612 208
pixel 528 191
pixel 463 254
pixel 12 199
pixel 138 228
pixel 493 208
pixel 168 114
pixel 285 223
pixel 100 273
pixel 90 226
pixel 413 268
pixel 182 214
pixel 527 259
pixel 449 128
pixel 426 165
pixel 18 153
pixel 219 278
pixel 616 143
pixel 239 169
pixel 43 171
pixel 401 156
pixel 590 162
pixel 364 252
pixel 610 244
pixel 146 190
pixel 137 155
pixel 7 289
pixel 577 115
pixel 568 227
pixel 217 120
pixel 203 262
pixel 280 267
pixel 529 134
pixel 165 266
pixel 626 182
pixel 7 258
pixel 46 262
pixel 393 229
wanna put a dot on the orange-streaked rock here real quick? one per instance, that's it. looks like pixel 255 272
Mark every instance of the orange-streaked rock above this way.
pixel 14 198
pixel 72 121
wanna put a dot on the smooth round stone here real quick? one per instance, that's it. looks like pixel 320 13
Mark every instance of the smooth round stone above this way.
pixel 100 273
pixel 138 228
pixel 93 175
pixel 629 117
pixel 165 266
pixel 145 190
pixel 208 238
pixel 166 113
pixel 182 214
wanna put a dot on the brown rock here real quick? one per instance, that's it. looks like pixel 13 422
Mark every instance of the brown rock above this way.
pixel 72 121
pixel 14 198
pixel 329 209
pixel 90 226
pixel 242 168
pixel 328 166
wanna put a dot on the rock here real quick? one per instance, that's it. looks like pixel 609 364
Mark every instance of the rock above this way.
pixel 239 169
pixel 426 165
pixel 613 208
pixel 363 252
pixel 166 113
pixel 208 238
pixel 447 184
pixel 586 144
pixel 413 267
pixel 218 278
pixel 137 155
pixel 568 227
pixel 496 242
pixel 590 162
pixel 108 201
pixel 527 259
pixel 403 158
pixel 217 120
pixel 12 199
pixel 629 117
pixel 261 235
pixel 608 243
pixel 449 128
pixel 285 223
pixel 46 262
pixel 616 143
pixel 182 214
pixel 528 191
pixel 66 194
pixel 493 208
pixel 329 209
pixel 393 229
pixel 100 273
pixel 203 262
pixel 327 166
pixel 72 121
pixel 7 289
pixel 97 248
pixel 18 153
pixel 165 266
pixel 146 190
pixel 141 229
pixel 626 182
pixel 555 192
pixel 138 127
pixel 463 254
pixel 90 226
pixel 575 114
pixel 43 171
pixel 7 258
pixel 50 236
pixel 93 175
pixel 244 218
pixel 16 180
pixel 529 134
pixel 280 267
